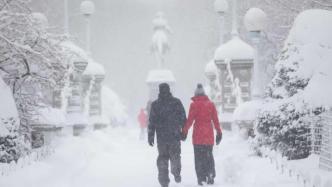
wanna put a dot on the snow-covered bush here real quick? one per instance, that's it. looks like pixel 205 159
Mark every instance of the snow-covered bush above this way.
pixel 287 127
pixel 293 110
pixel 9 140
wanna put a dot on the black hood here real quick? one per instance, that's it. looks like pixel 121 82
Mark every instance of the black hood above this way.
pixel 164 91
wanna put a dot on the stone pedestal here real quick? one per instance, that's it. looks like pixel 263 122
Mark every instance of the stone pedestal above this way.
pixel 156 77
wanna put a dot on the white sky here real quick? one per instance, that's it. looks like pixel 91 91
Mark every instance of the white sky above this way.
pixel 121 35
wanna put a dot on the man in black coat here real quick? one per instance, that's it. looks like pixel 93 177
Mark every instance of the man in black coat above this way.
pixel 167 117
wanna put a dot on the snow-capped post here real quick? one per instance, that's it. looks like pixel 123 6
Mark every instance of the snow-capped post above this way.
pixel 87 9
pixel 94 74
pixel 160 44
pixel 221 8
pixel 75 108
pixel 255 20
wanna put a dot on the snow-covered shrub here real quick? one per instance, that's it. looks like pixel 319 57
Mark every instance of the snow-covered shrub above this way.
pixel 297 95
pixel 287 128
pixel 9 140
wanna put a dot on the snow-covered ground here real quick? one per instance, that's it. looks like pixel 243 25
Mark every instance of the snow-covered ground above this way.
pixel 116 158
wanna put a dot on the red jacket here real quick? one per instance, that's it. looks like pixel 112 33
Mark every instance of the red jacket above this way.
pixel 142 119
pixel 202 113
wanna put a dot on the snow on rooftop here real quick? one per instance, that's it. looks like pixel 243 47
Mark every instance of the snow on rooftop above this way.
pixel 94 68
pixel 234 49
pixel 311 35
pixel 160 75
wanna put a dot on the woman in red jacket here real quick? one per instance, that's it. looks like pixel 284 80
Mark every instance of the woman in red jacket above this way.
pixel 143 124
pixel 203 115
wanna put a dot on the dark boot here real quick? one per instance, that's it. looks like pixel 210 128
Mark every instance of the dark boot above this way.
pixel 162 163
pixel 200 183
pixel 210 180
pixel 177 179
pixel 175 158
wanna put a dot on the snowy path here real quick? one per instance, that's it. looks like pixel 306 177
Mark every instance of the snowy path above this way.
pixel 116 158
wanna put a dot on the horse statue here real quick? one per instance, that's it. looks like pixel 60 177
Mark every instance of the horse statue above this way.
pixel 160 44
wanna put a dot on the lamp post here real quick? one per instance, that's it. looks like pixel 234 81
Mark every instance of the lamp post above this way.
pixel 255 21
pixel 87 9
pixel 221 7
pixel 66 17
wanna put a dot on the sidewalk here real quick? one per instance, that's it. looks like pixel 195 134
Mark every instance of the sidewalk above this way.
pixel 117 158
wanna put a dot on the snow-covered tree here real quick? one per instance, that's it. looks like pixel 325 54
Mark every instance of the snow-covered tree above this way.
pixel 32 61
pixel 292 113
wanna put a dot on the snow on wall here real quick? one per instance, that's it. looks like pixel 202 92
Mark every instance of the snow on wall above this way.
pixel 113 107
pixel 7 107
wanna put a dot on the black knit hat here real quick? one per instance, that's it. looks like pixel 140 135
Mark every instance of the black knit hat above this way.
pixel 199 90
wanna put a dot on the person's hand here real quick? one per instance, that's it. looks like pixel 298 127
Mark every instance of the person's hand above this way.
pixel 183 136
pixel 151 141
pixel 218 138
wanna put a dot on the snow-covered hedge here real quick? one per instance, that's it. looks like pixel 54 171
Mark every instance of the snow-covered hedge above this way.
pixel 299 92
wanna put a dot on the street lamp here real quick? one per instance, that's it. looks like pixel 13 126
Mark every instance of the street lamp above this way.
pixel 255 21
pixel 87 9
pixel 221 7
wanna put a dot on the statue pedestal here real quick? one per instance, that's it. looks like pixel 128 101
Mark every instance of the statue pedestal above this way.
pixel 156 77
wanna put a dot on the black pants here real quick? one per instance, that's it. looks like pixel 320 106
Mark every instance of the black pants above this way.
pixel 168 152
pixel 204 162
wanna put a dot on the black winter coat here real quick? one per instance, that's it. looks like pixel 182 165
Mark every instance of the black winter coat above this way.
pixel 167 118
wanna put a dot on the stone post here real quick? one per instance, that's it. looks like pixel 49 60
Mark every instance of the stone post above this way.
pixel 75 107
